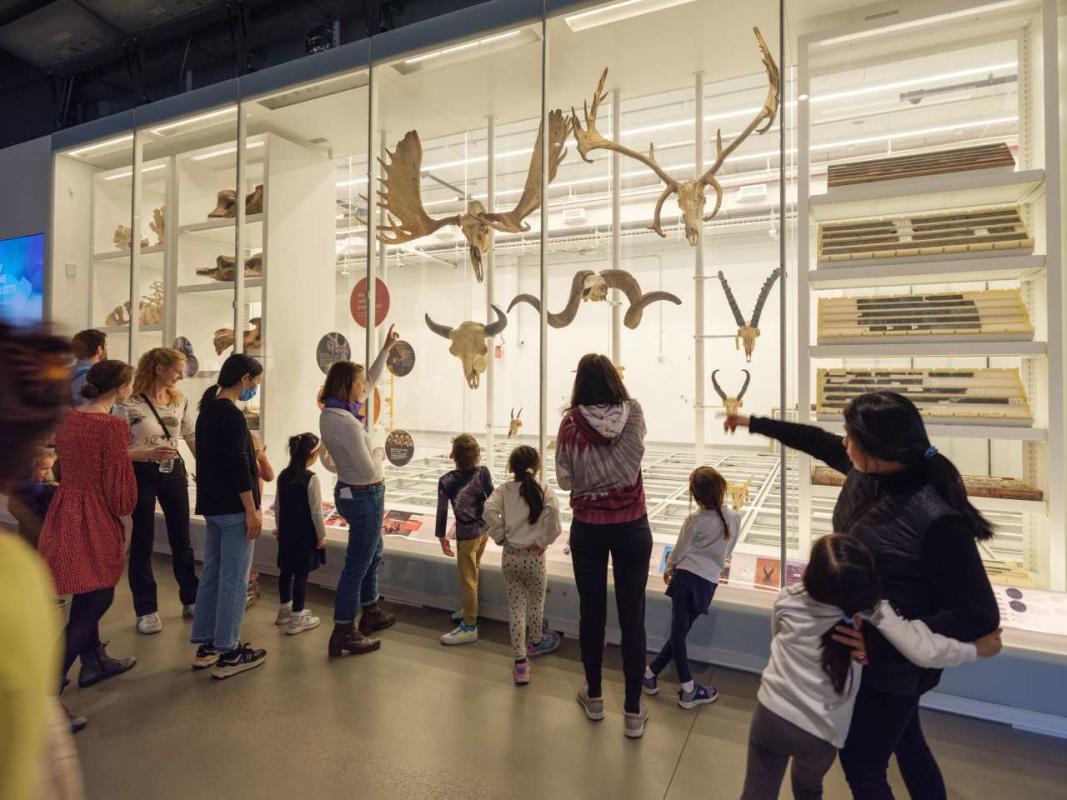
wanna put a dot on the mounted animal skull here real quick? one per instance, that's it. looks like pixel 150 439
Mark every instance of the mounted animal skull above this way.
pixel 731 404
pixel 748 331
pixel 691 194
pixel 469 343
pixel 408 220
pixel 738 493
pixel 514 424
pixel 592 286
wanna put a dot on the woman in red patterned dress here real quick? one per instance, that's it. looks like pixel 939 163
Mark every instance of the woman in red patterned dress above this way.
pixel 84 534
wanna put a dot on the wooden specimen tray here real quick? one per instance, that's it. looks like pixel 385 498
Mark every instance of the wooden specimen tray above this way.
pixel 965 316
pixel 976 485
pixel 939 162
pixel 980 231
pixel 966 396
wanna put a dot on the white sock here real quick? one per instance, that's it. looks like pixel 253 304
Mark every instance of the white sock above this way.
pixel 688 687
pixel 649 673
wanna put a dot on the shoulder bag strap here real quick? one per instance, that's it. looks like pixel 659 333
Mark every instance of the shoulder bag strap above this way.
pixel 159 419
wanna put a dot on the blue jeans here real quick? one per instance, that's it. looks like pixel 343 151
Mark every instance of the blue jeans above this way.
pixel 359 578
pixel 220 600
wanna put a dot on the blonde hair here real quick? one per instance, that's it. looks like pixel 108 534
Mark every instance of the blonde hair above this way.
pixel 156 359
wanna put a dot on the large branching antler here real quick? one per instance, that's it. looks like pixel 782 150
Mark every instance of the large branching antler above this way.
pixel 401 196
pixel 589 139
pixel 765 116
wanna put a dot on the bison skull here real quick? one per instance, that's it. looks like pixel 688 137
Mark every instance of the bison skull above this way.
pixel 469 343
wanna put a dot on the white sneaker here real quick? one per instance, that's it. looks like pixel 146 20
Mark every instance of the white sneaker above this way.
pixel 149 624
pixel 635 723
pixel 301 621
pixel 461 634
pixel 189 611
pixel 285 612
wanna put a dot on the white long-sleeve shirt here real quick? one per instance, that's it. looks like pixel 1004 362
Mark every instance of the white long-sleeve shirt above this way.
pixel 348 442
pixel 703 547
pixel 794 685
pixel 508 518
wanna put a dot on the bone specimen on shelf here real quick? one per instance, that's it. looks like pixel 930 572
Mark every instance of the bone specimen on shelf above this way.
pixel 747 332
pixel 733 403
pixel 226 203
pixel 119 316
pixel 738 493
pixel 691 194
pixel 224 268
pixel 401 198
pixel 253 338
pixel 157 224
pixel 149 309
pixel 587 285
pixel 514 423
pixel 123 238
pixel 469 343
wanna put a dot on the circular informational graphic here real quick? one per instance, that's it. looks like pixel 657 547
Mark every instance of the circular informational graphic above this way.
pixel 358 302
pixel 192 366
pixel 401 359
pixel 399 448
pixel 1018 605
pixel 332 347
pixel 183 346
pixel 1014 594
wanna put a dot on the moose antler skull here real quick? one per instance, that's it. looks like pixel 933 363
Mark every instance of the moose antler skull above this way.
pixel 691 194
pixel 514 423
pixel 469 343
pixel 731 404
pixel 747 332
pixel 738 493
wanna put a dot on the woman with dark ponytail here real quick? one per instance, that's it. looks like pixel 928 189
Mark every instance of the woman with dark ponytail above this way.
pixel 523 517
pixel 905 502
pixel 227 496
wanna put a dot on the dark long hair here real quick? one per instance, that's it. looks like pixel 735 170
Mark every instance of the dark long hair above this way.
pixel 888 426
pixel 106 376
pixel 233 369
pixel 708 487
pixel 523 464
pixel 301 447
pixel 840 573
pixel 597 382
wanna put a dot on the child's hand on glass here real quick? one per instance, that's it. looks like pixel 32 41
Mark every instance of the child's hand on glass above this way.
pixel 990 644
pixel 446 546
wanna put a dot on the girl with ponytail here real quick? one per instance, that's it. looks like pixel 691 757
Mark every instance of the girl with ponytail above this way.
pixel 301 532
pixel 523 517
pixel 906 503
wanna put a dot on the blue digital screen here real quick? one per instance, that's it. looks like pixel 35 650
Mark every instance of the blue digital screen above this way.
pixel 22 279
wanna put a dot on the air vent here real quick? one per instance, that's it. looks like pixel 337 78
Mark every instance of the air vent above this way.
pixel 756 193
pixel 574 216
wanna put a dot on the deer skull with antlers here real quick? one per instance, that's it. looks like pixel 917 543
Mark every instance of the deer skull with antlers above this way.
pixel 738 493
pixel 691 194
pixel 469 343
pixel 514 424
pixel 731 404
pixel 747 332
pixel 401 198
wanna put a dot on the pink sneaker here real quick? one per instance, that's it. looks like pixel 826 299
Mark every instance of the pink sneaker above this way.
pixel 521 673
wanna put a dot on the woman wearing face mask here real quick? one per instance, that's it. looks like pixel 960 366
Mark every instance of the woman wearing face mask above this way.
pixel 227 495
pixel 360 499
pixel 907 504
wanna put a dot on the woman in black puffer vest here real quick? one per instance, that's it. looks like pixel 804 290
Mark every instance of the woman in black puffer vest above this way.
pixel 908 505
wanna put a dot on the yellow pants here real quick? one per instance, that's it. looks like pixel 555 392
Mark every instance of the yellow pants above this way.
pixel 469 559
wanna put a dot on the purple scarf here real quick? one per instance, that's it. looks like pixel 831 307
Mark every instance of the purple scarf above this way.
pixel 357 410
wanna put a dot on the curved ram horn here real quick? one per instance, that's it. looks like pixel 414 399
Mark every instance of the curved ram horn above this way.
pixel 525 298
pixel 495 328
pixel 715 384
pixel 634 313
pixel 744 387
pixel 565 317
pixel 440 330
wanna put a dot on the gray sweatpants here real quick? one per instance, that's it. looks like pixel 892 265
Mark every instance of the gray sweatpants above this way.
pixel 771 742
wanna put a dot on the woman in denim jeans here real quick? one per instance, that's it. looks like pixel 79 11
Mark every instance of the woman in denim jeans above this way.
pixel 227 495
pixel 360 499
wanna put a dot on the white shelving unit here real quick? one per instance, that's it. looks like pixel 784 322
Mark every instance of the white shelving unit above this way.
pixel 1033 185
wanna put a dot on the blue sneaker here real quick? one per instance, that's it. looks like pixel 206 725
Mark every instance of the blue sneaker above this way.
pixel 700 696
pixel 549 643
pixel 650 686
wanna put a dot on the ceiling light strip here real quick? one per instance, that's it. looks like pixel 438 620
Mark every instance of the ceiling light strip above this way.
pixel 173 126
pixel 918 23
pixel 465 46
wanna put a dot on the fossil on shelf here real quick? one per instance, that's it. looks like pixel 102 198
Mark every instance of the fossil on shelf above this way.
pixel 150 308
pixel 976 485
pixel 975 316
pixel 226 203
pixel 224 268
pixel 984 395
pixel 939 162
pixel 158 224
pixel 253 338
pixel 986 230
pixel 123 238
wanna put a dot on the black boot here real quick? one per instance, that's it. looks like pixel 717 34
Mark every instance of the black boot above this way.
pixel 98 665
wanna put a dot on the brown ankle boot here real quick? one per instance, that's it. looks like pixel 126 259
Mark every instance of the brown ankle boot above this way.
pixel 345 638
pixel 375 618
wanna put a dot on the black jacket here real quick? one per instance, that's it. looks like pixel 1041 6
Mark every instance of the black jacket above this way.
pixel 924 552
pixel 225 460
pixel 297 535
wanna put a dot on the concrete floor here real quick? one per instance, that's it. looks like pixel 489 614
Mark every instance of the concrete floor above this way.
pixel 417 720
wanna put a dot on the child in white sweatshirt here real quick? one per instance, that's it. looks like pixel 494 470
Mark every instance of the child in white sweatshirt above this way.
pixel 809 687
pixel 694 566
pixel 523 517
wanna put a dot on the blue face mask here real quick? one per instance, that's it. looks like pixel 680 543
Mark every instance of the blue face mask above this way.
pixel 248 394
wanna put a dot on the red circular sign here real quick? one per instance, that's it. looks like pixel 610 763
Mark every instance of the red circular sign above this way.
pixel 358 302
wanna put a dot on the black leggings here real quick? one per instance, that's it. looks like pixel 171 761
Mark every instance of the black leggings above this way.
pixel 630 546
pixel 82 634
pixel 884 725
pixel 293 586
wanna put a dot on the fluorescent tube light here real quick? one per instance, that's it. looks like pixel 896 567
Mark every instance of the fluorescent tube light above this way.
pixel 458 48
pixel 109 143
pixel 162 130
pixel 617 12
pixel 122 175
pixel 225 151
pixel 918 23
pixel 963 73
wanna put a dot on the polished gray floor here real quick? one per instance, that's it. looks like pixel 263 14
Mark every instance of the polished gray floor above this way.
pixel 418 720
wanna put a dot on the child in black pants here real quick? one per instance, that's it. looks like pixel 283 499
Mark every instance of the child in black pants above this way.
pixel 301 532
pixel 706 540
